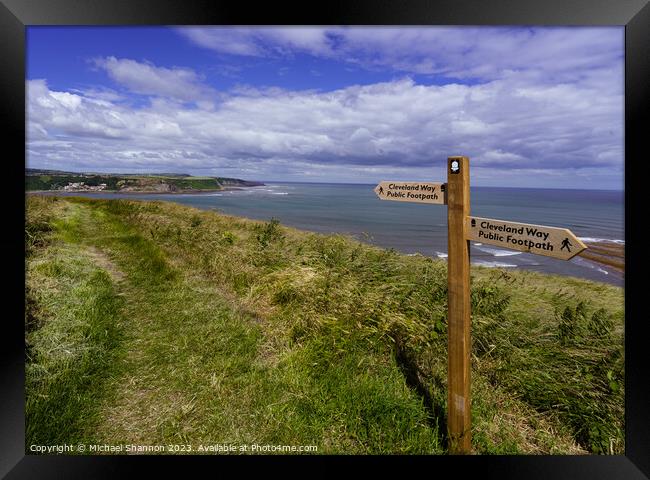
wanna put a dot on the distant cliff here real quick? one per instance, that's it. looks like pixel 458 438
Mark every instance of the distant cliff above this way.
pixel 36 179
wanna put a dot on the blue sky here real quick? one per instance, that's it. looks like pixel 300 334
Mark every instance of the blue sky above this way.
pixel 531 107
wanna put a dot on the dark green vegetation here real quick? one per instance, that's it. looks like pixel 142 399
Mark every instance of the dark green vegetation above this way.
pixel 191 327
pixel 55 180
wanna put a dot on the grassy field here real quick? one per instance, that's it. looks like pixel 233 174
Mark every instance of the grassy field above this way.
pixel 153 323
pixel 130 182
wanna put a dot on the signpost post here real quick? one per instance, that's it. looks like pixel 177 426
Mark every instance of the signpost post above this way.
pixel 554 242
pixel 458 307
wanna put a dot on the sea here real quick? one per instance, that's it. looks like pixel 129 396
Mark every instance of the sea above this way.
pixel 412 228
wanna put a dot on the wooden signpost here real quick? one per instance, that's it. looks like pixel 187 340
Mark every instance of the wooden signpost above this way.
pixel 554 242
pixel 418 192
pixel 549 241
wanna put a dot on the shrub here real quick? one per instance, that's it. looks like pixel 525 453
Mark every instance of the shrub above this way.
pixel 268 232
pixel 195 221
pixel 601 323
pixel 572 323
pixel 228 238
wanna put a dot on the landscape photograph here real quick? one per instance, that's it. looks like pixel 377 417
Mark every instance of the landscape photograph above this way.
pixel 325 240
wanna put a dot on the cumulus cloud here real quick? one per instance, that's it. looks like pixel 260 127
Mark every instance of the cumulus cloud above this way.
pixel 506 124
pixel 50 112
pixel 182 84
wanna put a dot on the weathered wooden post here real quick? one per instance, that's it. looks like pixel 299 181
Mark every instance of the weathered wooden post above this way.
pixel 458 307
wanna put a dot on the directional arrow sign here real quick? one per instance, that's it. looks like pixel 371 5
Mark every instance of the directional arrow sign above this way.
pixel 538 239
pixel 418 192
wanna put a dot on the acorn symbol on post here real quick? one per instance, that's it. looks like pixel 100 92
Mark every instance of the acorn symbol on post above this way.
pixel 455 166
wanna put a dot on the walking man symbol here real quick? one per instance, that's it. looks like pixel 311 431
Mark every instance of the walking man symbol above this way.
pixel 566 244
pixel 381 190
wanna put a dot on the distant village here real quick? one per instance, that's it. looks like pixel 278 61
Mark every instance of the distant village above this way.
pixel 82 187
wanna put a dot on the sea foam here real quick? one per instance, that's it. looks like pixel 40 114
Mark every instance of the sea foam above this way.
pixel 496 252
pixel 484 263
pixel 596 240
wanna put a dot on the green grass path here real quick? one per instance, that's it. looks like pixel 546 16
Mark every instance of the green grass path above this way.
pixel 193 369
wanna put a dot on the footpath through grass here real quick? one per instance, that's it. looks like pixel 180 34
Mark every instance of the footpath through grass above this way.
pixel 222 330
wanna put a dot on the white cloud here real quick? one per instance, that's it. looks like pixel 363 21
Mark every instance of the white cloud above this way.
pixel 66 100
pixel 145 78
pixel 101 94
pixel 550 53
pixel 225 40
pixel 312 40
pixel 53 112
pixel 260 41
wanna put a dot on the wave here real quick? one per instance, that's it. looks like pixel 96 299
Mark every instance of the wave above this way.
pixel 260 191
pixel 589 264
pixel 441 255
pixel 596 240
pixel 484 263
pixel 497 252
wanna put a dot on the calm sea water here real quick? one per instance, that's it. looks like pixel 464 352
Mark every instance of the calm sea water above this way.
pixel 415 228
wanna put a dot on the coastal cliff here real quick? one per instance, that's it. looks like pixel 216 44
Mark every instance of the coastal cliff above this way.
pixel 54 180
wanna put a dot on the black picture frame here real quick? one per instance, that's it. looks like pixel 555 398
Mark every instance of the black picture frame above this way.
pixel 15 15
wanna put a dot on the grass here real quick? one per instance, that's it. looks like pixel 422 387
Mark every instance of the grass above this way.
pixel 72 340
pixel 236 331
